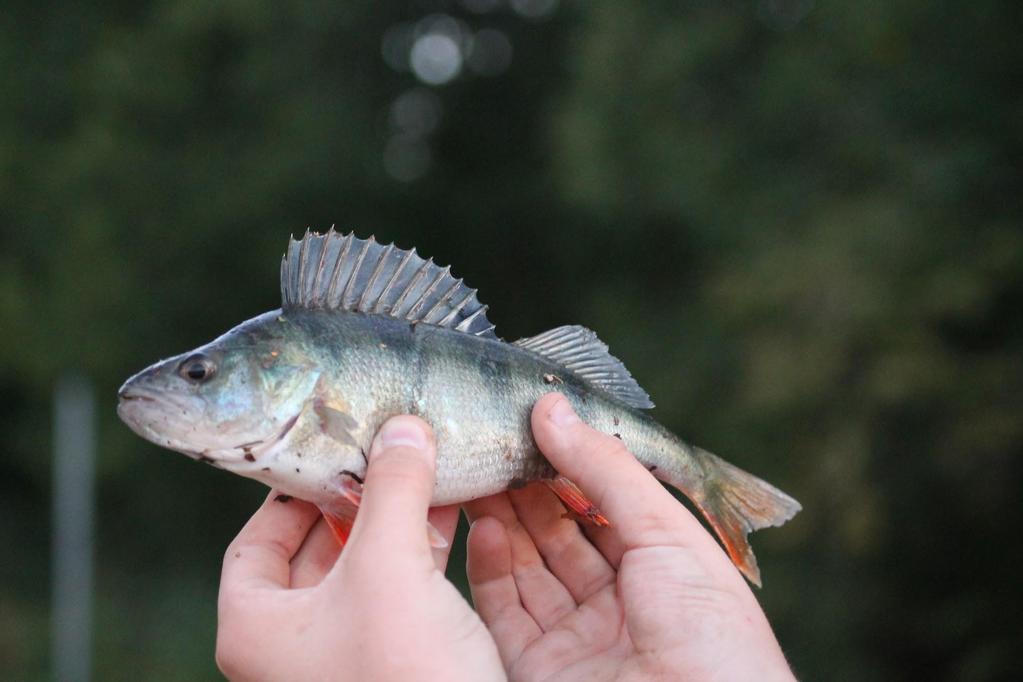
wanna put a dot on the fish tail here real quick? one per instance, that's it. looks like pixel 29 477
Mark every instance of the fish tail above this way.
pixel 736 503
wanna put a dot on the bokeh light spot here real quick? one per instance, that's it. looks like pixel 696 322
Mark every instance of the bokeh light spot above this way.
pixel 416 112
pixel 436 58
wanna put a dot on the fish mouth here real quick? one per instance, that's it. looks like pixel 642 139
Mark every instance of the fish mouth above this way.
pixel 128 397
pixel 131 391
pixel 145 413
pixel 168 419
pixel 132 404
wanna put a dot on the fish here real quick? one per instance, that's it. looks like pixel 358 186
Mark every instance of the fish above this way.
pixel 366 331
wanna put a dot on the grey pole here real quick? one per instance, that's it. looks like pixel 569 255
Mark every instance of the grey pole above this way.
pixel 72 549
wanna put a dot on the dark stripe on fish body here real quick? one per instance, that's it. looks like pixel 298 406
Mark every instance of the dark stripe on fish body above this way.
pixel 495 372
pixel 418 367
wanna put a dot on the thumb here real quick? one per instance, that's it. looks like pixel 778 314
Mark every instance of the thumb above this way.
pixel 641 510
pixel 398 486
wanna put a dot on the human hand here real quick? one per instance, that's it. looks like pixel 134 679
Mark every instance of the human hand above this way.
pixel 651 597
pixel 291 609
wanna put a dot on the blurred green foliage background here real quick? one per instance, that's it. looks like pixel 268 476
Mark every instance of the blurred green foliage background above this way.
pixel 797 221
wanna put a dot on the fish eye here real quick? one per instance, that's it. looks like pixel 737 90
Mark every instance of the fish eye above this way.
pixel 197 368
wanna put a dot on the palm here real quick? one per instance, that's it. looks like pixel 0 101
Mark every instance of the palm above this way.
pixel 590 643
pixel 569 605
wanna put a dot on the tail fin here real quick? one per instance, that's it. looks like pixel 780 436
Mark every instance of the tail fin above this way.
pixel 736 503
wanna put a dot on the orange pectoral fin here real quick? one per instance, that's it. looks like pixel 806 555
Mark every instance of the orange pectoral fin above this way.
pixel 579 506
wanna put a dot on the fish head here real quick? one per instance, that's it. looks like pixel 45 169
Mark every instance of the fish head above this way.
pixel 223 401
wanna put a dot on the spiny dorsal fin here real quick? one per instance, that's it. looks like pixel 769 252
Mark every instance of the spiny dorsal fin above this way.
pixel 340 272
pixel 578 349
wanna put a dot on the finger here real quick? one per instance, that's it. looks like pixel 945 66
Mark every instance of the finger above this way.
pixel 607 541
pixel 484 506
pixel 569 554
pixel 641 510
pixel 259 556
pixel 445 520
pixel 494 590
pixel 398 487
pixel 316 557
pixel 544 596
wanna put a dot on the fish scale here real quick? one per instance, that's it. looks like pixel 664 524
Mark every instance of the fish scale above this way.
pixel 367 331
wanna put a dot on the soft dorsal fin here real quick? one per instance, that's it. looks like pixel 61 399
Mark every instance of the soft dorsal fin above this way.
pixel 579 350
pixel 340 272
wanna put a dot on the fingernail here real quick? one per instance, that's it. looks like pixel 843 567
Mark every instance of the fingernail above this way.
pixel 562 414
pixel 402 433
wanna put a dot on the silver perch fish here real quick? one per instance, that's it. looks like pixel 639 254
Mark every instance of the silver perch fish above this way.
pixel 365 331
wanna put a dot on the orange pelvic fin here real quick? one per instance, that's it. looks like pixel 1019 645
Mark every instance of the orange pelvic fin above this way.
pixel 579 506
pixel 351 490
pixel 341 516
pixel 340 519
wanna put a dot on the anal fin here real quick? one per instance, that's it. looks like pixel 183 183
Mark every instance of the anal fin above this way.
pixel 579 506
